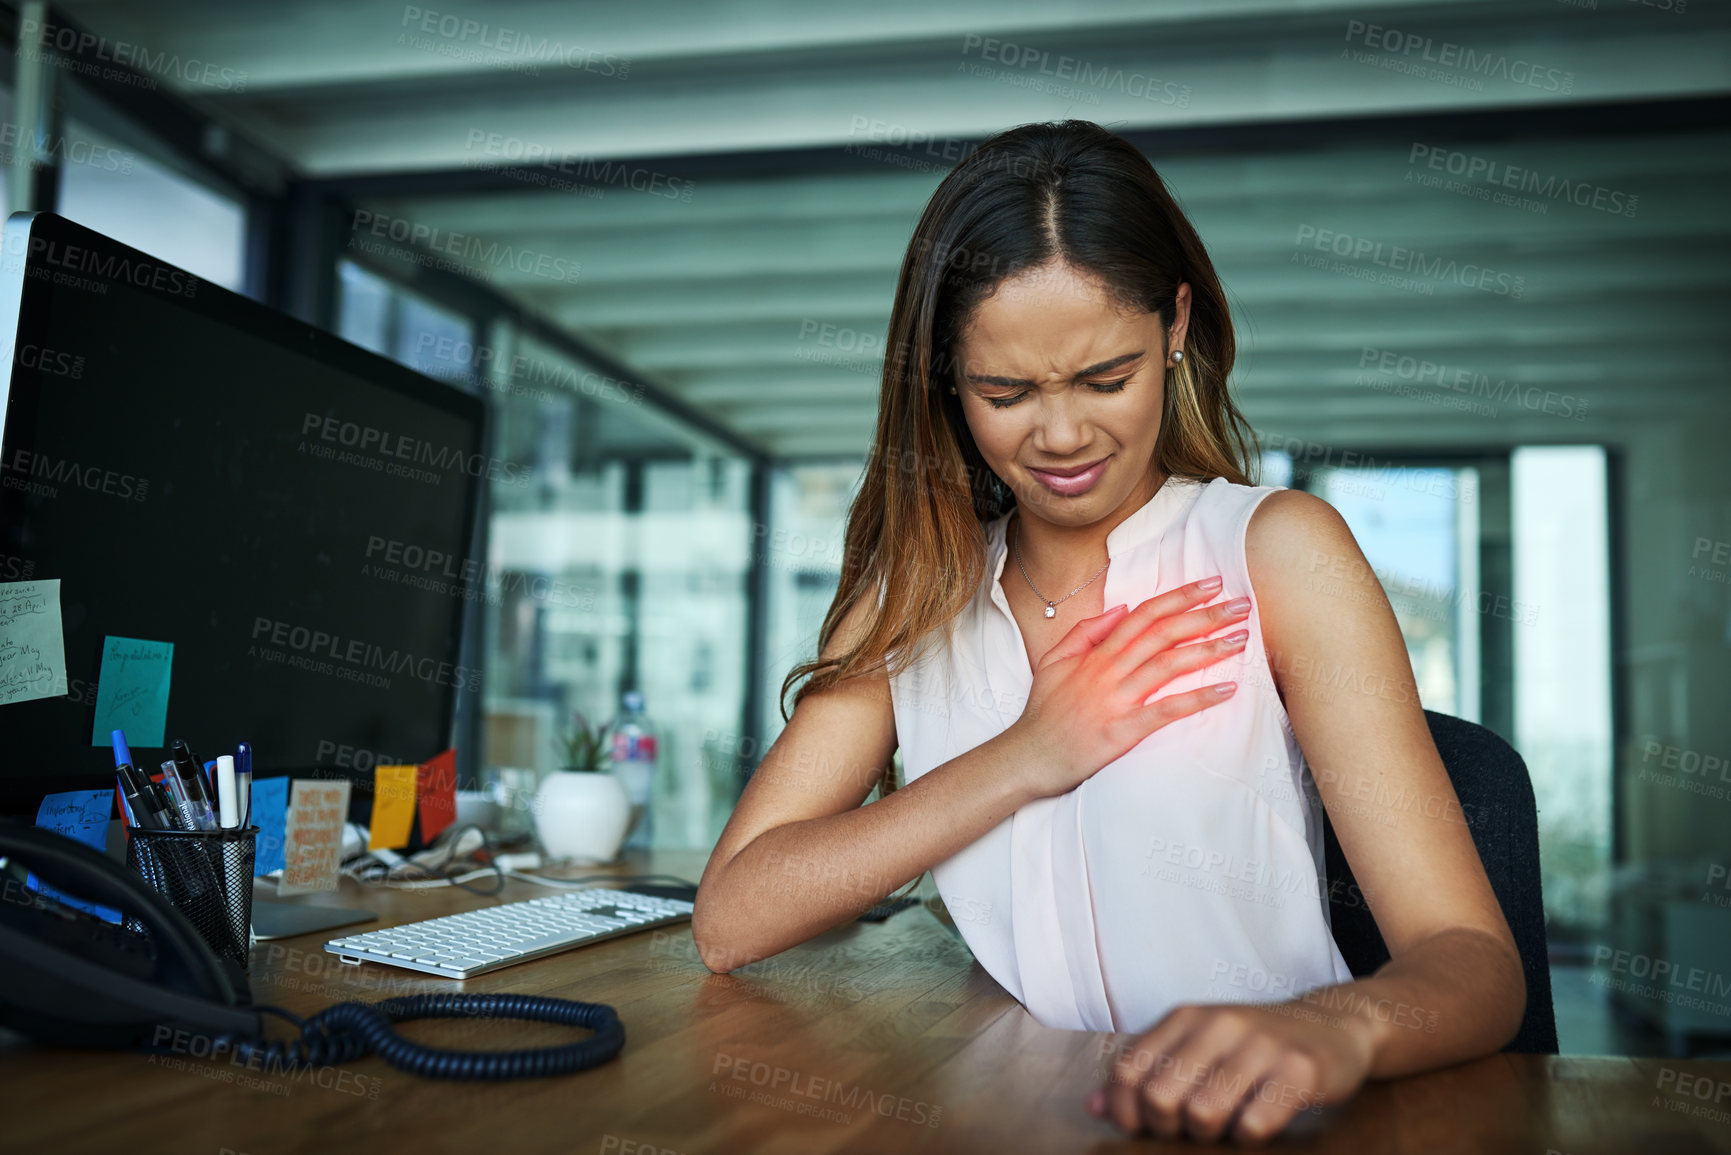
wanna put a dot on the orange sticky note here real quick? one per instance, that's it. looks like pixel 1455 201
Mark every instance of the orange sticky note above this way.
pixel 438 791
pixel 393 806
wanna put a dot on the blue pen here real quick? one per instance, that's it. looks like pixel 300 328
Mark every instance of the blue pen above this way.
pixel 140 807
pixel 243 781
pixel 122 762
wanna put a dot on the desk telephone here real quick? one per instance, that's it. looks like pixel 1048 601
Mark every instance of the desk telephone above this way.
pixel 68 978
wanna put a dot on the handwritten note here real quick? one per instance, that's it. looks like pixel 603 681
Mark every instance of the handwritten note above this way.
pixel 393 806
pixel 270 815
pixel 82 815
pixel 437 787
pixel 32 648
pixel 314 836
pixel 132 691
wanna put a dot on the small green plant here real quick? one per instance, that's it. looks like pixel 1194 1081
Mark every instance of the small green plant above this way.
pixel 583 746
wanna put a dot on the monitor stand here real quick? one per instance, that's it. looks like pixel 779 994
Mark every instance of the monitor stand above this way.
pixel 287 919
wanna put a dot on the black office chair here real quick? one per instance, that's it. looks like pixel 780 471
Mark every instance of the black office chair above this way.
pixel 1496 797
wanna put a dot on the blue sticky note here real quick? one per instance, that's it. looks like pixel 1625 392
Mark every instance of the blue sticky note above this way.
pixel 270 815
pixel 80 814
pixel 132 691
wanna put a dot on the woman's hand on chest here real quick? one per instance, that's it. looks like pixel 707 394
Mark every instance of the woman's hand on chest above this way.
pixel 1089 702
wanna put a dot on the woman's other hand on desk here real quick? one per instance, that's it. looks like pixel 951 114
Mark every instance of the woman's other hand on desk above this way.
pixel 1235 1071
pixel 1088 704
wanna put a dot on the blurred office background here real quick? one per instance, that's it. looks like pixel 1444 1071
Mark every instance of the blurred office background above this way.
pixel 1478 251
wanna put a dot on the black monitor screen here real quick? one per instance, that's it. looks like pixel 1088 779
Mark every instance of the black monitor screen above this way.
pixel 291 512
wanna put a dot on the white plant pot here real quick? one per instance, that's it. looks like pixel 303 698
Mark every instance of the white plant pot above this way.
pixel 582 815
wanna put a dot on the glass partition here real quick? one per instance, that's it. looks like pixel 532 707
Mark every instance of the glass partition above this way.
pixel 619 559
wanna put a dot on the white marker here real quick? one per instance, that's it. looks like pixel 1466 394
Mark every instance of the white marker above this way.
pixel 227 801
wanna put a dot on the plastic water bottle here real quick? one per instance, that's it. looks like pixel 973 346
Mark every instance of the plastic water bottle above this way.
pixel 634 754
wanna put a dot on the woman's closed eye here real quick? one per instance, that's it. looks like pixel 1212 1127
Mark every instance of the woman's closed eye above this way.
pixel 1096 386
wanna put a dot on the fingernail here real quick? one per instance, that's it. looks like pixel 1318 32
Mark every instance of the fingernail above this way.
pixel 1234 639
pixel 1096 1101
pixel 1237 605
pixel 1209 585
pixel 1226 688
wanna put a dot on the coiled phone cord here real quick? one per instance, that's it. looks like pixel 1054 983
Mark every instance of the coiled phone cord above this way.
pixel 348 1031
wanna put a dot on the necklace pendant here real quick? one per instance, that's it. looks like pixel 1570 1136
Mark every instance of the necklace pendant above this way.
pixel 1051 610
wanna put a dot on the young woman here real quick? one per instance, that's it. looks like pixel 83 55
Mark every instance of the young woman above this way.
pixel 1121 676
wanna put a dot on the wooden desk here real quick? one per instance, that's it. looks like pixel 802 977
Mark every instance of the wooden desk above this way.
pixel 871 1038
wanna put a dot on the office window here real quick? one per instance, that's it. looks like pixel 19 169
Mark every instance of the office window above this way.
pixel 365 307
pixel 377 314
pixel 115 188
pixel 434 340
pixel 1419 529
pixel 1562 661
pixel 801 551
pixel 619 558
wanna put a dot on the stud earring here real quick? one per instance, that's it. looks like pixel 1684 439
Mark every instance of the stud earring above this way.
pixel 952 388
pixel 1177 356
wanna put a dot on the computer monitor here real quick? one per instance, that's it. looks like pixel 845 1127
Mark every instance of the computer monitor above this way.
pixel 297 516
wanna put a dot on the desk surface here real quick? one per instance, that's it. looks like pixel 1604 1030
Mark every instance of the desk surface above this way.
pixel 870 1038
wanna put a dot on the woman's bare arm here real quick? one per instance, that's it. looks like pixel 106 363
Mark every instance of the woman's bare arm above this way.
pixel 1342 665
pixel 800 855
pixel 1453 988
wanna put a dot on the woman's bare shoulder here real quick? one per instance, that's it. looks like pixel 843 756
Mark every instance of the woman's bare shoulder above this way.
pixel 1301 558
pixel 1291 530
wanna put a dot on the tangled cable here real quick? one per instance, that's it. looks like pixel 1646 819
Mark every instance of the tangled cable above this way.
pixel 348 1031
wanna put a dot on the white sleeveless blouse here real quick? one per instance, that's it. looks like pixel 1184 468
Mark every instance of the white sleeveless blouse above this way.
pixel 1186 871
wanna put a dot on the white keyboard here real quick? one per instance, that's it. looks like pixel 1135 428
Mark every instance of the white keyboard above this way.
pixel 461 946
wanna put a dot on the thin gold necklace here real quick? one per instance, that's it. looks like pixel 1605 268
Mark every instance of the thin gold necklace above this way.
pixel 1051 609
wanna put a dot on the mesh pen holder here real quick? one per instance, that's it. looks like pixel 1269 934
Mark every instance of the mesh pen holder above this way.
pixel 207 874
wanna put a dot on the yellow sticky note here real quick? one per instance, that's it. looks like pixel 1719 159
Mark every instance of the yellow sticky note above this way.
pixel 393 806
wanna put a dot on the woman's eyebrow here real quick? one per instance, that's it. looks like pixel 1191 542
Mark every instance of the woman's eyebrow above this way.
pixel 1090 371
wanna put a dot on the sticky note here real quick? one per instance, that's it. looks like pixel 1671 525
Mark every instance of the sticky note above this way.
pixel 270 815
pixel 132 691
pixel 313 835
pixel 437 786
pixel 83 815
pixel 32 648
pixel 393 806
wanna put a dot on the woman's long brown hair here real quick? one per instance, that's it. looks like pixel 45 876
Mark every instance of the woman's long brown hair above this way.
pixel 1069 192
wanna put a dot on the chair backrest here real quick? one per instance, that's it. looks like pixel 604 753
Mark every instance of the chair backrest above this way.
pixel 1496 798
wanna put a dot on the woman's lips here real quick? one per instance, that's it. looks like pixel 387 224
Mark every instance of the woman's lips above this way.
pixel 1073 484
